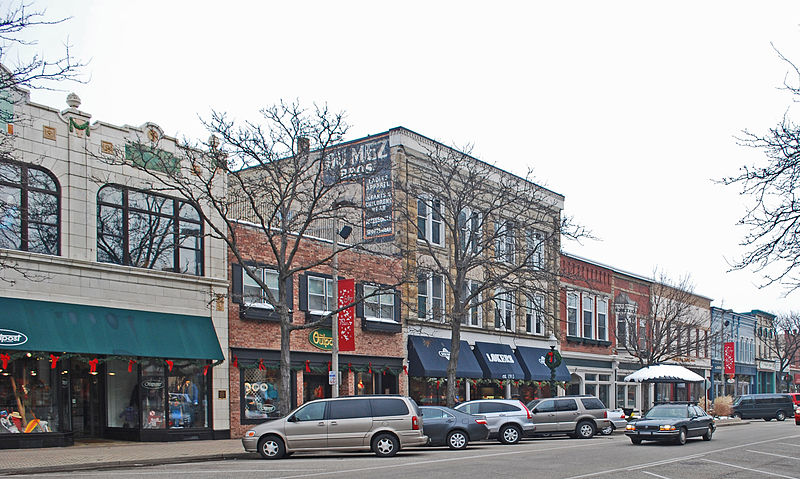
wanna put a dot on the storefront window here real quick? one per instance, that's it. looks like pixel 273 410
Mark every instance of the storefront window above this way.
pixel 261 399
pixel 152 393
pixel 187 395
pixel 29 397
pixel 365 383
pixel 123 395
pixel 430 392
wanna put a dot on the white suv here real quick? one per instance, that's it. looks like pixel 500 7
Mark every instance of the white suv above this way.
pixel 508 419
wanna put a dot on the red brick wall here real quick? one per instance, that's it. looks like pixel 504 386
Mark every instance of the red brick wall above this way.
pixel 589 278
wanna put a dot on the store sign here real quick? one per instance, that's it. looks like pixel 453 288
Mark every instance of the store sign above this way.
pixel 153 383
pixel 500 358
pixel 9 337
pixel 321 338
pixel 444 353
pixel 729 358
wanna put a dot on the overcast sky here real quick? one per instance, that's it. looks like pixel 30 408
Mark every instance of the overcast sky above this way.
pixel 628 109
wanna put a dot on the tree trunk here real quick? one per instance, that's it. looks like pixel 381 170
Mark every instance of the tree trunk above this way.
pixel 286 367
pixel 455 349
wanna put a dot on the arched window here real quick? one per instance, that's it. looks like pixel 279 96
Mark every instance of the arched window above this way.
pixel 29 208
pixel 147 230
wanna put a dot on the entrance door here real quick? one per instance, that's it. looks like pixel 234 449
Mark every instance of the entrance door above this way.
pixel 86 400
pixel 315 386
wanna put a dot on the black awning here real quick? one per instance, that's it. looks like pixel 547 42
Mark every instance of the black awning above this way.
pixel 498 361
pixel 532 360
pixel 428 357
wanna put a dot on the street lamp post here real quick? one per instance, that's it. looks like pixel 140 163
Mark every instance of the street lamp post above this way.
pixel 552 360
pixel 344 233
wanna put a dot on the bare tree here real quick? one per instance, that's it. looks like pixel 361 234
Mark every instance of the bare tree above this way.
pixel 773 218
pixel 277 188
pixel 674 326
pixel 782 340
pixel 484 236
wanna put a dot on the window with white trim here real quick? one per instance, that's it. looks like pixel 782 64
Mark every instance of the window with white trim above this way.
pixel 534 243
pixel 430 297
pixel 588 316
pixel 534 315
pixel 602 319
pixel 504 242
pixel 429 220
pixel 320 295
pixel 252 294
pixel 504 311
pixel 473 316
pixel 378 306
pixel 572 314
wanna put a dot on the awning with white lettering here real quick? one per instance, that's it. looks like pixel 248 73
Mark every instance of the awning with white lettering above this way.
pixel 532 360
pixel 498 361
pixel 428 357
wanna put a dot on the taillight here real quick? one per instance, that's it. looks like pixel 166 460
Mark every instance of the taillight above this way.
pixel 415 423
pixel 481 421
pixel 527 411
pixel 605 414
pixel 623 416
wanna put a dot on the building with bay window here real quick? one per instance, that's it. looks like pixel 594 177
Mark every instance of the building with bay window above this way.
pixel 112 311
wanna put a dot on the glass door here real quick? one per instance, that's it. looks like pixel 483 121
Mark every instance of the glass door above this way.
pixel 86 400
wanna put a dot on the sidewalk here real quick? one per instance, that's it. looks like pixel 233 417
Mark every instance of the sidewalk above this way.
pixel 99 455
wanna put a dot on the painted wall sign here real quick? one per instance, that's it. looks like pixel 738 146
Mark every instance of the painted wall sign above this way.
pixel 321 338
pixel 10 337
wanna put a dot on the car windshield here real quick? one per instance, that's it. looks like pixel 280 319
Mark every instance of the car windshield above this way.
pixel 667 412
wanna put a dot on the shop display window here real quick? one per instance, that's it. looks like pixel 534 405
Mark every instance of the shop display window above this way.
pixel 186 385
pixel 29 393
pixel 430 392
pixel 152 394
pixel 365 383
pixel 260 394
pixel 123 395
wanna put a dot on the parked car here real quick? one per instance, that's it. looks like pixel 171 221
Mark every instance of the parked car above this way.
pixel 673 422
pixel 797 416
pixel 618 421
pixel 455 429
pixel 576 416
pixel 383 424
pixel 763 406
pixel 508 419
pixel 795 397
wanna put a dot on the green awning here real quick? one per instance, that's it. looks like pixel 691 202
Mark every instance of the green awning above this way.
pixel 27 325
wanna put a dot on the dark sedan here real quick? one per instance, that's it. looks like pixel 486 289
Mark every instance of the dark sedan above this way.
pixel 445 426
pixel 671 423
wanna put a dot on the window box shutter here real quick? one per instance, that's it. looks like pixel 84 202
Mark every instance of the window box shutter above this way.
pixel 236 283
pixel 303 293
pixel 360 304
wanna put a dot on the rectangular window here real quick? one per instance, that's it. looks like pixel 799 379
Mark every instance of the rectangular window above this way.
pixel 430 297
pixel 572 314
pixel 504 243
pixel 534 315
pixel 252 294
pixel 473 316
pixel 380 306
pixel 588 316
pixel 260 399
pixel 320 295
pixel 622 330
pixel 534 248
pixel 504 311
pixel 429 220
pixel 602 319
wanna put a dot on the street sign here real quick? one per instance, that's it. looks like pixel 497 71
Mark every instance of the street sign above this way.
pixel 332 378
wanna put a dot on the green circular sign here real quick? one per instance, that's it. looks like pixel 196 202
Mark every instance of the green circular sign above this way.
pixel 321 338
pixel 552 359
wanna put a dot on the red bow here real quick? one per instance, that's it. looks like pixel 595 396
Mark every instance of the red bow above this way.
pixel 130 365
pixel 349 367
pixel 53 361
pixel 329 366
pixel 169 364
pixel 437 384
pixel 308 367
pixel 93 365
pixel 5 358
pixel 458 383
pixel 405 369
pixel 205 370
pixel 261 365
pixel 370 368
pixel 235 361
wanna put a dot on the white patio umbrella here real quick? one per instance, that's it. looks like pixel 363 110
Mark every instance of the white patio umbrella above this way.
pixel 664 373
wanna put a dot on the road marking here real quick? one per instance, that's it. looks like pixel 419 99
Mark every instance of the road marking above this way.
pixel 749 469
pixel 656 475
pixel 681 458
pixel 776 455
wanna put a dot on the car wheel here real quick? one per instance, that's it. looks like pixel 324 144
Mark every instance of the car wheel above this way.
pixel 606 431
pixel 636 441
pixel 509 434
pixel 271 447
pixel 708 434
pixel 385 445
pixel 457 440
pixel 681 439
pixel 585 430
pixel 780 415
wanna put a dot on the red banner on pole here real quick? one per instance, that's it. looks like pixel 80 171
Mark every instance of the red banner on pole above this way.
pixel 729 359
pixel 347 317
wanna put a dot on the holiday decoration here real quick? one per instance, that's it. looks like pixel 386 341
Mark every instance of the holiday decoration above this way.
pixel 349 367
pixel 5 358
pixel 169 364
pixel 131 362
pixel 235 361
pixel 346 317
pixel 205 370
pixel 261 366
pixel 93 365
pixel 53 361
pixel 75 125
pixel 308 366
pixel 370 368
pixel 329 366
pixel 405 369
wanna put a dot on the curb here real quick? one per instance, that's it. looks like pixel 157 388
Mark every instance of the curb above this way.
pixel 127 463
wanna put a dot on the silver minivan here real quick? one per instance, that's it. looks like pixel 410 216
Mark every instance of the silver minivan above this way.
pixel 384 424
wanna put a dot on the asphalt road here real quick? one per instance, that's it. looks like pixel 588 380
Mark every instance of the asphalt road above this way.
pixel 756 450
